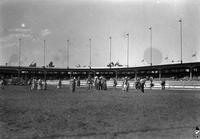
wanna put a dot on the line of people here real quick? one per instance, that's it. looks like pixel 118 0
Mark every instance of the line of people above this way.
pixel 37 84
pixel 99 83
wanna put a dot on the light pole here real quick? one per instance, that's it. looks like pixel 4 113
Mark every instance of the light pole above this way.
pixel 19 51
pixel 67 53
pixel 44 52
pixel 44 59
pixel 110 49
pixel 151 45
pixel 127 50
pixel 90 52
pixel 181 39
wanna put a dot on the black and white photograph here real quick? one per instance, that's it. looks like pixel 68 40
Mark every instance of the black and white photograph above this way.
pixel 99 69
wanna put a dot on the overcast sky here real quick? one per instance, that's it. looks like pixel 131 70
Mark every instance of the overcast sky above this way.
pixel 78 20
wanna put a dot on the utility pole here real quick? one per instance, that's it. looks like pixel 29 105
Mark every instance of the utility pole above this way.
pixel 127 50
pixel 151 46
pixel 67 53
pixel 181 40
pixel 110 49
pixel 90 64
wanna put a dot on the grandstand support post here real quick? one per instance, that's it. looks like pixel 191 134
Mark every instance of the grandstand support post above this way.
pixel 45 74
pixel 116 74
pixel 94 73
pixel 191 73
pixel 19 73
pixel 135 75
pixel 160 74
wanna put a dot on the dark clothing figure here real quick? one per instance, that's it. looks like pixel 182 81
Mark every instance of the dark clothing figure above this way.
pixel 104 84
pixel 96 83
pixel 163 85
pixel 142 82
pixel 125 85
pixel 89 82
pixel 2 83
pixel 114 83
pixel 73 84
pixel 101 83
pixel 78 82
pixel 59 84
pixel 151 82
pixel 137 84
pixel 44 85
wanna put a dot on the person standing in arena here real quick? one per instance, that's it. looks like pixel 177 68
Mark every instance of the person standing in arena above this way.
pixel 125 84
pixel 44 84
pixel 163 84
pixel 89 82
pixel 101 83
pixel 142 82
pixel 114 83
pixel 73 84
pixel 2 83
pixel 78 82
pixel 29 83
pixel 96 82
pixel 33 84
pixel 104 84
pixel 151 82
pixel 59 84
pixel 39 84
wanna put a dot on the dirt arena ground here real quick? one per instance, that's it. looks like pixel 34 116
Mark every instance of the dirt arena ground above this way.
pixel 61 114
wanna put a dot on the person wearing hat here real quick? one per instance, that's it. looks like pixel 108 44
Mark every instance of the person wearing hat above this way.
pixel 73 84
pixel 114 83
pixel 142 82
pixel 163 84
pixel 78 82
pixel 89 82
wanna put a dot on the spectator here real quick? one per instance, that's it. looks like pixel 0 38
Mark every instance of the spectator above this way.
pixel 59 84
pixel 163 84
pixel 78 82
pixel 114 83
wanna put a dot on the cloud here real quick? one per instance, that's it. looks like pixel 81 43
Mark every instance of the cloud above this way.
pixel 45 32
pixel 21 30
pixel 10 44
pixel 11 36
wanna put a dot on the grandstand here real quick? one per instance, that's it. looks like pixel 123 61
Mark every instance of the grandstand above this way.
pixel 184 71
